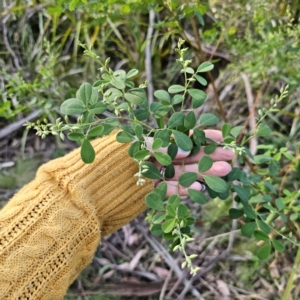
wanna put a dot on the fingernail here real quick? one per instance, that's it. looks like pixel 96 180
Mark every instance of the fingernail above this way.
pixel 183 151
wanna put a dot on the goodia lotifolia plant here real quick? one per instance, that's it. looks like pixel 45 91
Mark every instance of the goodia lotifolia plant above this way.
pixel 169 123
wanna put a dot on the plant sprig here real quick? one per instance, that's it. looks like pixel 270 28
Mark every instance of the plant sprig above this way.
pixel 115 92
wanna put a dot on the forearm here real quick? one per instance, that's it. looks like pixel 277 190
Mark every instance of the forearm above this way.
pixel 51 228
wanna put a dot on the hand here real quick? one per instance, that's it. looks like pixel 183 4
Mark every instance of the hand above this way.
pixel 219 168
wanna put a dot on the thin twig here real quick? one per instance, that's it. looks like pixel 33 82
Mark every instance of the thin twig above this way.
pixel 17 125
pixel 148 60
pixel 169 260
pixel 251 106
pixel 166 283
pixel 6 42
pixel 201 56
pixel 148 275
pixel 257 99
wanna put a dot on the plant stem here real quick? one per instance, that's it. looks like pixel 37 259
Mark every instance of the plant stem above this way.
pixel 289 286
pixel 201 56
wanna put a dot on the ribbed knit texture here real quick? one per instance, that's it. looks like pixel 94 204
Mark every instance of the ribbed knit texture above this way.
pixel 51 228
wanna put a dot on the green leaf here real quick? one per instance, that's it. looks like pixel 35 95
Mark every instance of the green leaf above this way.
pixel 162 95
pixel 235 131
pixel 94 97
pixel 73 4
pixel 279 203
pixel 197 196
pixel 242 192
pixel 75 136
pixel 182 210
pixel 172 151
pixel 173 89
pixel 235 213
pixel 162 158
pixel 161 190
pixel 111 121
pixel 278 245
pixel 160 122
pixel 197 94
pixel 87 152
pixel 141 154
pixel 248 229
pixel 171 210
pixel 263 130
pixel 135 147
pixel 249 211
pixel 162 111
pixel 141 114
pixel 182 141
pixel 100 82
pixel 199 137
pixel 235 174
pixel 199 17
pixel 270 187
pixel 204 164
pixel 264 252
pixel 118 83
pixel 188 178
pixel 170 171
pixel 196 103
pixel 135 96
pixel 188 70
pixel 96 131
pixel 129 84
pixel 88 117
pixel 138 129
pixel 269 207
pixel 201 80
pixel 154 201
pixel 283 217
pixel 152 172
pixel 157 144
pixel 261 159
pixel 208 120
pixel 132 73
pixel 84 93
pixel 288 155
pixel 273 168
pixel 107 129
pixel 190 120
pixel 217 184
pixel 174 200
pixel 177 119
pixel 261 236
pixel 124 137
pixel 158 218
pixel 205 67
pixel 168 225
pixel 164 135
pixel 156 230
pixel 72 106
pixel 177 99
pixel 264 226
pixel 226 128
pixel 98 108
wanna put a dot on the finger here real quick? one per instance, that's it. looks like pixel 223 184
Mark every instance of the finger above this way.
pixel 181 154
pixel 219 168
pixel 173 187
pixel 219 154
pixel 215 135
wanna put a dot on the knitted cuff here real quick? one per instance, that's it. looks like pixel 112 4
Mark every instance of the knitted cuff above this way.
pixel 108 183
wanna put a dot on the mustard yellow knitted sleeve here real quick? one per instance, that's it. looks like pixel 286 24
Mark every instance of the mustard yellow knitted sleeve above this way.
pixel 51 228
